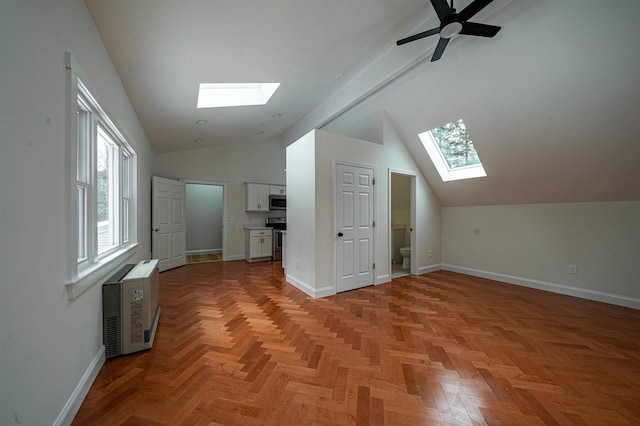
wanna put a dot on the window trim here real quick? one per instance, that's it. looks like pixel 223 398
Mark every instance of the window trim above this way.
pixel 84 273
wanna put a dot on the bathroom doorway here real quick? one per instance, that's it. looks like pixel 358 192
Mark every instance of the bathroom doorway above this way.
pixel 402 223
pixel 205 212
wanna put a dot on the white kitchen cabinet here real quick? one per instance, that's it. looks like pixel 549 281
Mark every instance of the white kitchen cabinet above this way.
pixel 258 245
pixel 257 197
pixel 277 190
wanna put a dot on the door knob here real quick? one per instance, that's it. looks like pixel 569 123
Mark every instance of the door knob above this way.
pixel 340 234
pixel 155 229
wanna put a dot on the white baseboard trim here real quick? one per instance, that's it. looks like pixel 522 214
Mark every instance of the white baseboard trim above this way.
pixel 429 268
pixel 207 251
pixel 232 257
pixel 382 279
pixel 598 296
pixel 324 292
pixel 74 402
pixel 316 293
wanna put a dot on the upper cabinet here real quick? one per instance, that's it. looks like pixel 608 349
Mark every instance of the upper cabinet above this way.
pixel 277 190
pixel 257 197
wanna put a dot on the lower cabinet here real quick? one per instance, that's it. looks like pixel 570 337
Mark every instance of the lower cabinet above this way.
pixel 258 245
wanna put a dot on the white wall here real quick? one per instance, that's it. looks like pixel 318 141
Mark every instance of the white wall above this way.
pixel 534 245
pixel 329 148
pixel 235 164
pixel 301 213
pixel 47 342
pixel 427 250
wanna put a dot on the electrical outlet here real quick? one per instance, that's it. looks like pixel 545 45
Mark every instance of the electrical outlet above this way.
pixel 430 253
pixel 297 264
pixel 573 269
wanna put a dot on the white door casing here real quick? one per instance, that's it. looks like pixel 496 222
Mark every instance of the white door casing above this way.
pixel 354 226
pixel 168 236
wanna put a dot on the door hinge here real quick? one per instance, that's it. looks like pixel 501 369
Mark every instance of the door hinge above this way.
pixel 374 265
pixel 374 181
pixel 374 223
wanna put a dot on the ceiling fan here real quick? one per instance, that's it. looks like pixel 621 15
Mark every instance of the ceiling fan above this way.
pixel 452 23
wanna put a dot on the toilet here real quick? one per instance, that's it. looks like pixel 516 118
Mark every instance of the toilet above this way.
pixel 406 257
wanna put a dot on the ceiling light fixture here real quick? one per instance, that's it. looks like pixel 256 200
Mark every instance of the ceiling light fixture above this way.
pixel 276 115
pixel 201 122
pixel 199 140
pixel 212 95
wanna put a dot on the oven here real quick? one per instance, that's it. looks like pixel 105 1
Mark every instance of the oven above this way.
pixel 278 224
pixel 277 244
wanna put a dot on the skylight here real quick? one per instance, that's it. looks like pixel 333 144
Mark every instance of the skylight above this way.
pixel 452 152
pixel 213 95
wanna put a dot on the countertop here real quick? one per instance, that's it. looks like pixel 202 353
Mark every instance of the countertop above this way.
pixel 255 227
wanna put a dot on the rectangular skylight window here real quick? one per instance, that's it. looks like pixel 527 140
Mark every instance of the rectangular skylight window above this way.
pixel 213 95
pixel 452 152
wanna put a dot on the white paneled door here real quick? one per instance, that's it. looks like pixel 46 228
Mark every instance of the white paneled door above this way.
pixel 168 228
pixel 354 227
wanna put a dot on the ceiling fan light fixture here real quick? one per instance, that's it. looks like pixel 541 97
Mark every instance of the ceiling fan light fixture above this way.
pixel 453 23
pixel 450 29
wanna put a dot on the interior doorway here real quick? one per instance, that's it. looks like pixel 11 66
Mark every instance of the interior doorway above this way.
pixel 401 223
pixel 205 213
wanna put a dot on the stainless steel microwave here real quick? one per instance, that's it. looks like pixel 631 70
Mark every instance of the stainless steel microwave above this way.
pixel 277 202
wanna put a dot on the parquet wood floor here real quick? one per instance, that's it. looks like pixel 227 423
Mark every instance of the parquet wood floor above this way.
pixel 236 345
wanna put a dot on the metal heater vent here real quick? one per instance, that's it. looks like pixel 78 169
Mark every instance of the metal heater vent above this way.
pixel 111 337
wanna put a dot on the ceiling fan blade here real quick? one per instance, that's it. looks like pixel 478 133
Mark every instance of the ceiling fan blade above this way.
pixel 442 44
pixel 473 8
pixel 418 36
pixel 481 30
pixel 442 9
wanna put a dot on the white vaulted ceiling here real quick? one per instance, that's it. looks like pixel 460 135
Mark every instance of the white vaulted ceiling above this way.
pixel 552 102
pixel 163 49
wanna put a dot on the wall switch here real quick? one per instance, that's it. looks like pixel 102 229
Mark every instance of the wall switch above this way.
pixel 430 253
pixel 297 264
pixel 573 269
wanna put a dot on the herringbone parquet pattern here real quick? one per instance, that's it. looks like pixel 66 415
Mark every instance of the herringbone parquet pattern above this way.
pixel 237 345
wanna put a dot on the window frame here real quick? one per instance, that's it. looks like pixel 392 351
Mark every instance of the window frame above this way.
pixel 86 264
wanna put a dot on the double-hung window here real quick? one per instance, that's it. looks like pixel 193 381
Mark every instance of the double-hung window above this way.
pixel 102 224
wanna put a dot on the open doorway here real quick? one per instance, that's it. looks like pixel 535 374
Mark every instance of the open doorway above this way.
pixel 205 211
pixel 402 223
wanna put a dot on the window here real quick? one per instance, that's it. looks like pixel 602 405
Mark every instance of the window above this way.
pixel 102 222
pixel 103 182
pixel 212 95
pixel 452 152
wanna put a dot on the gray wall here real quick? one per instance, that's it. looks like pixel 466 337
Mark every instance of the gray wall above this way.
pixel 204 218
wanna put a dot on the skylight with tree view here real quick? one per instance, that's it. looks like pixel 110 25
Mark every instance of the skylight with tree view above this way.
pixel 452 152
